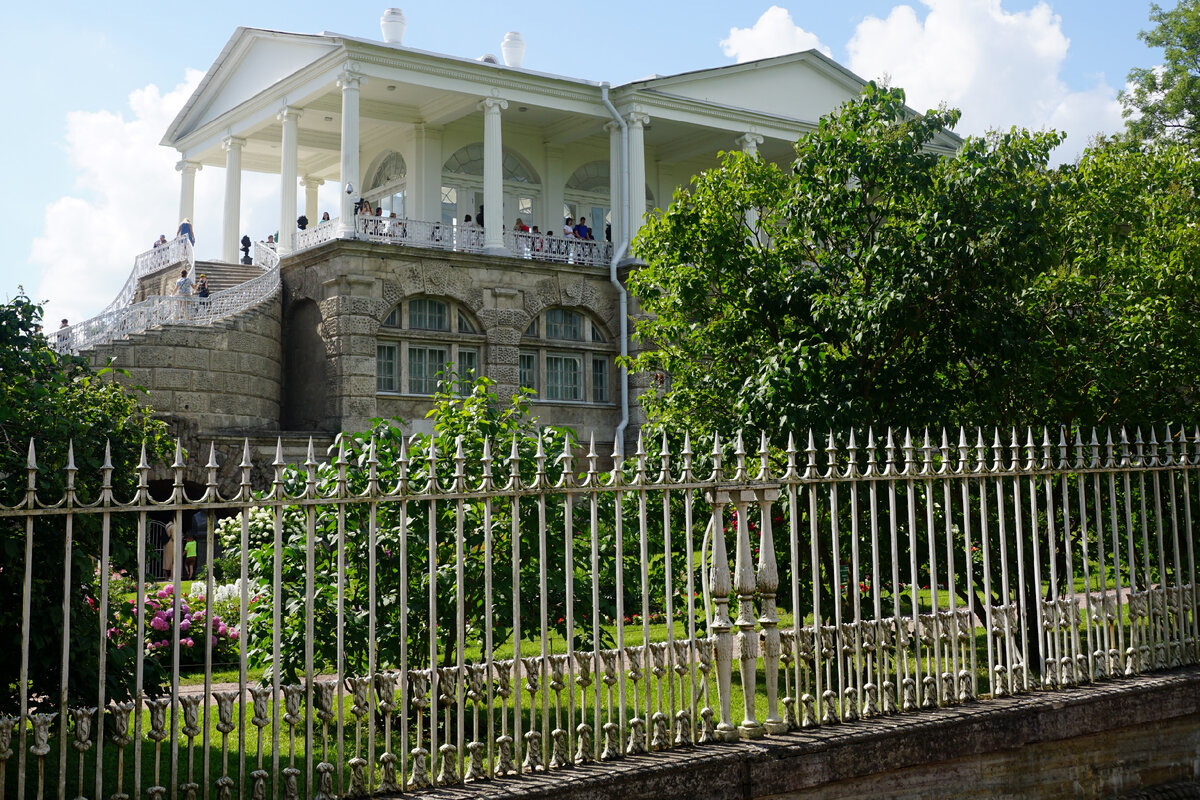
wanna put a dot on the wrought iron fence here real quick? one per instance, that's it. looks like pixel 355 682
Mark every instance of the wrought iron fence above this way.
pixel 435 617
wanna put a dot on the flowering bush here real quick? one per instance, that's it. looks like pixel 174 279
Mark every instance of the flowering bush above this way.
pixel 193 626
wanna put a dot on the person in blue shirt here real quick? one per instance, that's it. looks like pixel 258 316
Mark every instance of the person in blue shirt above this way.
pixel 582 230
pixel 185 229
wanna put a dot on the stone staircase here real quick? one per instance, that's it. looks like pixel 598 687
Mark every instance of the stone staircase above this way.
pixel 223 276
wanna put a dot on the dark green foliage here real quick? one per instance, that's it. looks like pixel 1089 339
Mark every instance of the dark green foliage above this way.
pixel 58 400
pixel 877 284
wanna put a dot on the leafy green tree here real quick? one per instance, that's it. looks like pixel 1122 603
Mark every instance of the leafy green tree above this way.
pixel 1117 320
pixel 876 281
pixel 1163 102
pixel 402 553
pixel 58 400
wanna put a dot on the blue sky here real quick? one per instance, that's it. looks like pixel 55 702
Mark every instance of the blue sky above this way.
pixel 97 80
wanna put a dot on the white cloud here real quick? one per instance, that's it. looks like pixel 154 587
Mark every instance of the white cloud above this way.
pixel 126 193
pixel 773 35
pixel 1001 68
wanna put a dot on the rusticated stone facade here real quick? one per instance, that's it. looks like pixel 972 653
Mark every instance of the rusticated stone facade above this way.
pixel 354 285
pixel 303 363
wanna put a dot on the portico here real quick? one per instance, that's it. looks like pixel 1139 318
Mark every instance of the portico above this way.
pixel 433 137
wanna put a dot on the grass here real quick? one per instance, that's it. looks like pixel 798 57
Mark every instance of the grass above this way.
pixel 502 715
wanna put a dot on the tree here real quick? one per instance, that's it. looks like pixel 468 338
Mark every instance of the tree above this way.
pixel 1118 318
pixel 876 281
pixel 58 401
pixel 402 552
pixel 1164 101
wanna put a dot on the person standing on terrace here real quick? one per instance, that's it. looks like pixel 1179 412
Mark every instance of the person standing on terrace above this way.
pixel 185 229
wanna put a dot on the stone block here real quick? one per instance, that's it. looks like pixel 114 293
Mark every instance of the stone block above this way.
pixel 253 364
pixel 190 404
pixel 173 378
pixel 223 361
pixel 151 356
pixel 502 354
pixel 362 385
pixel 503 336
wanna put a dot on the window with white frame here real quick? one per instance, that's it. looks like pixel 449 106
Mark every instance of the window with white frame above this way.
pixel 566 357
pixel 421 338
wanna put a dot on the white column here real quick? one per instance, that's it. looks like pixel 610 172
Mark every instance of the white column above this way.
pixel 233 199
pixel 552 215
pixel 349 82
pixel 187 188
pixel 749 143
pixel 426 173
pixel 290 119
pixel 311 185
pixel 614 179
pixel 493 177
pixel 637 171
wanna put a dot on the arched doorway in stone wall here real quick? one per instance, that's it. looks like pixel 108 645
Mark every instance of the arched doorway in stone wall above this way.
pixel 305 376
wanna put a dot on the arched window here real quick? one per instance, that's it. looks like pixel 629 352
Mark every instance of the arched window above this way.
pixel 392 168
pixel 388 186
pixel 591 177
pixel 565 356
pixel 422 337
pixel 462 186
pixel 469 161
pixel 586 194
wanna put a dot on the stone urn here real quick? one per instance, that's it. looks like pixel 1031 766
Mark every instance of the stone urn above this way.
pixel 513 49
pixel 392 24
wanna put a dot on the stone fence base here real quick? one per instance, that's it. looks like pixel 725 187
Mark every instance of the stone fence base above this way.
pixel 1111 739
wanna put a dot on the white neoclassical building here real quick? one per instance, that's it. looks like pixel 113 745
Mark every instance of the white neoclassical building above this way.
pixel 368 309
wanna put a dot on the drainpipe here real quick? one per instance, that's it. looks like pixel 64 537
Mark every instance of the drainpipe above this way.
pixel 618 254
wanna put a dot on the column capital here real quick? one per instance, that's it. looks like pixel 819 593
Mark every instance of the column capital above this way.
pixel 637 119
pixel 350 77
pixel 749 142
pixel 612 127
pixel 185 165
pixel 232 142
pixel 493 105
pixel 308 181
pixel 289 114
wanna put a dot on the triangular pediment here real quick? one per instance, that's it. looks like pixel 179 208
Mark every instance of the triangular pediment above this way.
pixel 800 86
pixel 252 61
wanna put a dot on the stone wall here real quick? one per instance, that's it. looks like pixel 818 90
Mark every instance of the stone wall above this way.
pixel 356 284
pixel 1104 740
pixel 207 380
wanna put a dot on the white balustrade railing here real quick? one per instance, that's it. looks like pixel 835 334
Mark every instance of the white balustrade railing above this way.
pixel 311 237
pixel 470 239
pixel 266 256
pixel 869 578
pixel 156 311
pixel 559 249
pixel 176 253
